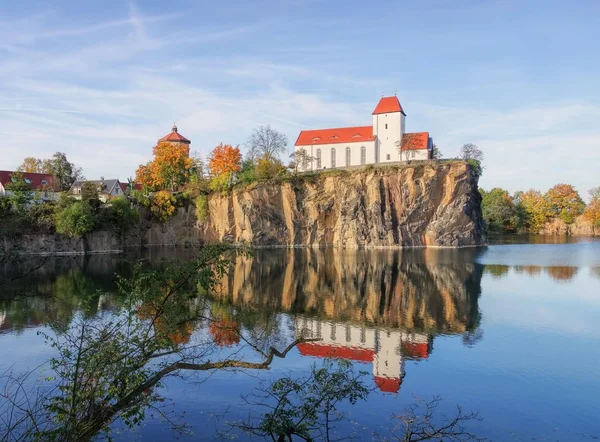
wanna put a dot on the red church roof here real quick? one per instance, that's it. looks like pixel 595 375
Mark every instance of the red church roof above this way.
pixel 332 351
pixel 388 385
pixel 415 141
pixel 388 105
pixel 34 180
pixel 174 136
pixel 338 135
pixel 416 349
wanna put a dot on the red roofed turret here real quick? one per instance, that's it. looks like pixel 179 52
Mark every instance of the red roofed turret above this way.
pixel 175 137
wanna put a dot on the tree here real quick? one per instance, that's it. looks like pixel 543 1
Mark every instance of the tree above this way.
pixel 301 160
pixel 31 165
pixel 421 421
pixel 306 407
pixel 75 220
pixel 267 169
pixel 20 193
pixel 436 153
pixel 65 172
pixel 266 142
pixel 224 162
pixel 498 210
pixel 89 194
pixel 472 154
pixel 163 205
pixel 592 210
pixel 536 210
pixel 565 202
pixel 143 176
pixel 171 165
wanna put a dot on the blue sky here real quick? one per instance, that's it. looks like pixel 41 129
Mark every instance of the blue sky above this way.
pixel 102 81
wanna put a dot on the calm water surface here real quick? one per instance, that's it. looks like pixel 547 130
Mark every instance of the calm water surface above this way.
pixel 511 331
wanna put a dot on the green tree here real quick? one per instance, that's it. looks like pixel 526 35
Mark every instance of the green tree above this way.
pixel 89 194
pixel 498 210
pixel 247 174
pixel 65 172
pixel 123 216
pixel 20 193
pixel 76 219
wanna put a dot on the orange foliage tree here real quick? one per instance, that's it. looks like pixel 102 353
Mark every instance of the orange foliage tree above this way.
pixel 565 202
pixel 592 211
pixel 225 161
pixel 169 169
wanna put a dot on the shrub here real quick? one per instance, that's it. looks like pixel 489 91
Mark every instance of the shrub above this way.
pixel 248 173
pixel 89 194
pixel 123 215
pixel 75 220
pixel 201 208
pixel 268 169
pixel 4 207
pixel 221 183
pixel 163 205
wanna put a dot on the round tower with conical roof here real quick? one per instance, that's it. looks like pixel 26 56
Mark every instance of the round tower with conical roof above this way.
pixel 175 137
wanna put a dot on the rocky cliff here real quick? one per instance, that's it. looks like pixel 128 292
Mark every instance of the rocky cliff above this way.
pixel 435 204
pixel 421 205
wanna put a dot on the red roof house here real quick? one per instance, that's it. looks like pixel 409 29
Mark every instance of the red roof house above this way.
pixel 36 181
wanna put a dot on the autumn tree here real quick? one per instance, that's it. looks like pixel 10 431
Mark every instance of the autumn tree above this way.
pixel 31 165
pixel 267 143
pixel 143 176
pixel 592 211
pixel 565 202
pixel 224 162
pixel 535 209
pixel 171 165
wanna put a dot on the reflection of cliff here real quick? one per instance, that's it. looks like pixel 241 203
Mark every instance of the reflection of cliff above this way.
pixel 386 349
pixel 422 289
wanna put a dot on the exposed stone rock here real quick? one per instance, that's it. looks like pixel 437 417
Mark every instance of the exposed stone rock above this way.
pixel 581 227
pixel 421 205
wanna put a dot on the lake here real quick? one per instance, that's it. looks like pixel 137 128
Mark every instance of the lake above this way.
pixel 511 331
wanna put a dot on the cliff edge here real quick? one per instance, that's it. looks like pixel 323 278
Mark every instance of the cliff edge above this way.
pixel 435 204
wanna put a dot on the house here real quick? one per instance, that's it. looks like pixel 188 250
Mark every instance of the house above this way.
pixel 106 188
pixel 384 141
pixel 45 184
pixel 386 349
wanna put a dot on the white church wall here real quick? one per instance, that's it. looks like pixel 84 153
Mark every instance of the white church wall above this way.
pixel 340 154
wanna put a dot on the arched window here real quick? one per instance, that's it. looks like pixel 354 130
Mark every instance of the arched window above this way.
pixel 333 157
pixel 363 155
pixel 348 153
pixel 318 158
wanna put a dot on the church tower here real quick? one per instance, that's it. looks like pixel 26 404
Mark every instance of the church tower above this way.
pixel 388 127
pixel 175 137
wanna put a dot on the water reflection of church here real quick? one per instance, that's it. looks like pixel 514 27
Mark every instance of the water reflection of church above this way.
pixel 385 348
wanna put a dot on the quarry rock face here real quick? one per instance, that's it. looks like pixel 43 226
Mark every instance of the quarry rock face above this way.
pixel 421 205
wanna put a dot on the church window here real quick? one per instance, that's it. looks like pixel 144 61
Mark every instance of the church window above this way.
pixel 318 158
pixel 388 157
pixel 348 156
pixel 333 157
pixel 363 155
pixel 386 125
pixel 414 154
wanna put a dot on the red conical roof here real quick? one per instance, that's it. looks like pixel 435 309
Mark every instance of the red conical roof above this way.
pixel 174 136
pixel 388 105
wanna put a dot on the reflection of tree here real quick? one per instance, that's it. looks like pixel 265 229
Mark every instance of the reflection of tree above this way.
pixel 225 333
pixel 562 273
pixel 529 270
pixel 415 289
pixel 595 271
pixel 496 270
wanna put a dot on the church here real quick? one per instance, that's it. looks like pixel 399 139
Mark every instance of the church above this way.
pixel 384 141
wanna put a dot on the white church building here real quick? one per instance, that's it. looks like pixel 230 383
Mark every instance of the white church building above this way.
pixel 384 141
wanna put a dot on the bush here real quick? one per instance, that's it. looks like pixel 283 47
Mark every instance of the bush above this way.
pixel 201 208
pixel 221 183
pixel 4 207
pixel 163 205
pixel 248 173
pixel 75 220
pixel 476 166
pixel 89 194
pixel 268 169
pixel 123 215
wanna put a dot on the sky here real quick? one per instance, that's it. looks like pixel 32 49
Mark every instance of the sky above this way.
pixel 102 81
